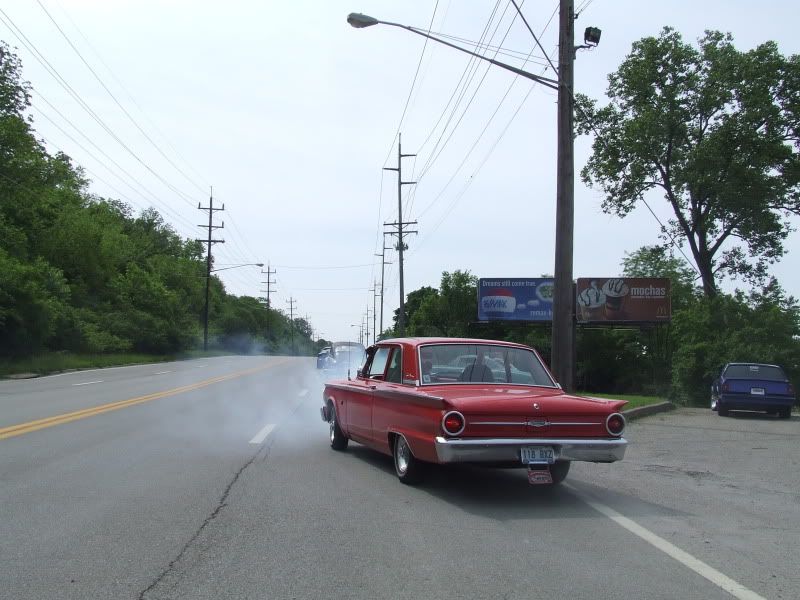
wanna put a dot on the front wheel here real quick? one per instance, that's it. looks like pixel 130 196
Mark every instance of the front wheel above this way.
pixel 408 468
pixel 559 470
pixel 722 411
pixel 785 413
pixel 338 438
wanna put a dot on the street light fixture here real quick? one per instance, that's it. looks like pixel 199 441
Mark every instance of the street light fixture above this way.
pixel 205 311
pixel 359 21
pixel 563 338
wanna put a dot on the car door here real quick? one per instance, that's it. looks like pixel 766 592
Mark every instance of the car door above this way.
pixel 359 411
pixel 385 403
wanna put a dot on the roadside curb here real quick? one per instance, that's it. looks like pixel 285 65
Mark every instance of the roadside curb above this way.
pixel 646 411
pixel 21 376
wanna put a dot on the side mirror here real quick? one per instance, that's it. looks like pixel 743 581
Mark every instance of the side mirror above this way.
pixel 359 374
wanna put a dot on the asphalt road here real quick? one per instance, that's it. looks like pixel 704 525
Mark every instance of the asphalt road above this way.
pixel 214 479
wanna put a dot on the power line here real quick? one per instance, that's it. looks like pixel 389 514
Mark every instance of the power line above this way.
pixel 154 197
pixel 486 126
pixel 23 39
pixel 130 96
pixel 413 82
pixel 114 98
pixel 434 155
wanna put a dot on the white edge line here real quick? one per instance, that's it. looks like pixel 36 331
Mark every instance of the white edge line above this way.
pixel 262 435
pixel 88 382
pixel 734 588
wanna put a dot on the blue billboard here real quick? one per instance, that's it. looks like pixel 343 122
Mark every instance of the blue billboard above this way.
pixel 517 299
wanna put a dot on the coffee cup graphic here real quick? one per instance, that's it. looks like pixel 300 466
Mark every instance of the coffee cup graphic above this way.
pixel 501 304
pixel 615 291
pixel 591 302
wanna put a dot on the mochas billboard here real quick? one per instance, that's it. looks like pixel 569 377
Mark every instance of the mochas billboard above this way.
pixel 623 300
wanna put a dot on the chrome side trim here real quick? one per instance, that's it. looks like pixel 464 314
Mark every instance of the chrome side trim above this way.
pixel 508 449
pixel 530 422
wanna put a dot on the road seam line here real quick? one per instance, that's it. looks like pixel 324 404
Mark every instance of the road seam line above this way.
pixel 734 588
pixel 31 426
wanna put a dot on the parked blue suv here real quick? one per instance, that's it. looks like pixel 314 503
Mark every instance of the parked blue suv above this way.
pixel 752 386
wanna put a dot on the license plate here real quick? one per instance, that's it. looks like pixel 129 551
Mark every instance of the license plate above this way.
pixel 757 391
pixel 538 455
pixel 539 477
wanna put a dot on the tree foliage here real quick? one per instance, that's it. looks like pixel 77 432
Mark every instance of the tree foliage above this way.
pixel 86 274
pixel 714 130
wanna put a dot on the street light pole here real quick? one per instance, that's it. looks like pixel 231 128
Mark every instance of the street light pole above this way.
pixel 563 336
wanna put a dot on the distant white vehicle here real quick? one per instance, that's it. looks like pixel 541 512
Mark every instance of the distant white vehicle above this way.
pixel 344 356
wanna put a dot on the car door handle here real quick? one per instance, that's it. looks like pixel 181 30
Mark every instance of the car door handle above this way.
pixel 373 387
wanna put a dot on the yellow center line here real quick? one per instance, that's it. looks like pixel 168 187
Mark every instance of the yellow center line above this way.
pixel 30 426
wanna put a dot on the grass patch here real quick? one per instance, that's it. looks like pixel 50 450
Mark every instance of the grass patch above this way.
pixel 54 362
pixel 61 361
pixel 634 400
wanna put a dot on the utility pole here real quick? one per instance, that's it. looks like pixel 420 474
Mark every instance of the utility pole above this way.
pixel 563 341
pixel 211 227
pixel 384 262
pixel 291 302
pixel 401 319
pixel 367 330
pixel 269 283
pixel 374 291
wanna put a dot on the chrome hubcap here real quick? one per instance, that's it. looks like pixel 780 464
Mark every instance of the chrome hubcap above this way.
pixel 332 426
pixel 403 455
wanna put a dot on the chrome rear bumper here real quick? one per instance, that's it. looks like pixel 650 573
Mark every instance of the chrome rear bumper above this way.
pixel 508 449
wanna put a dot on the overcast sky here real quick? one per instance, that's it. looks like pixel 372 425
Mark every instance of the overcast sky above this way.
pixel 290 114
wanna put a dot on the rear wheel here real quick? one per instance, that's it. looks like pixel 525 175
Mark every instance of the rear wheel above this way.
pixel 338 438
pixel 559 470
pixel 408 468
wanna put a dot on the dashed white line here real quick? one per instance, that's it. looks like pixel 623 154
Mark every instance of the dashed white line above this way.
pixel 734 588
pixel 303 393
pixel 88 382
pixel 262 435
pixel 162 372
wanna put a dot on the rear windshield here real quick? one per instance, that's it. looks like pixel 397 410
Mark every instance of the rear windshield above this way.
pixel 764 372
pixel 487 363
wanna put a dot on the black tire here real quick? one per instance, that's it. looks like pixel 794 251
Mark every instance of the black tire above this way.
pixel 559 470
pixel 408 468
pixel 721 410
pixel 338 438
pixel 785 413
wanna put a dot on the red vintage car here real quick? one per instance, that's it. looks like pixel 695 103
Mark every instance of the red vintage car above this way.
pixel 448 400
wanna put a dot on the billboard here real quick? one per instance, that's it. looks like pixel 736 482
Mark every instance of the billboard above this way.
pixel 623 300
pixel 516 299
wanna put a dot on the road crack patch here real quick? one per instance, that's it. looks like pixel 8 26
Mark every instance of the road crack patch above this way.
pixel 221 504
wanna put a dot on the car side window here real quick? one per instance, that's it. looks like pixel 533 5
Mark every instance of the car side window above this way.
pixel 378 365
pixel 394 373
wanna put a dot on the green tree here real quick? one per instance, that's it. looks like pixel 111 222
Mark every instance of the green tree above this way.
pixel 450 310
pixel 658 261
pixel 716 131
pixel 413 301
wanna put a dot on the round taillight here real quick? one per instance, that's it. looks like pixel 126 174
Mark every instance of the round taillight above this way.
pixel 615 424
pixel 453 422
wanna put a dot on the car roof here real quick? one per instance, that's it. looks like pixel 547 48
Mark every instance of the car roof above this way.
pixel 421 341
pixel 754 364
